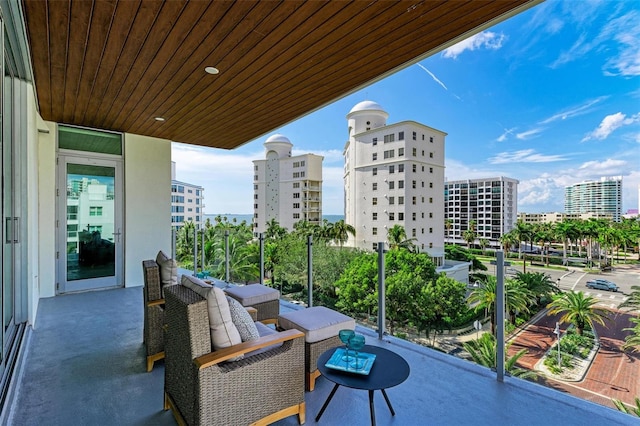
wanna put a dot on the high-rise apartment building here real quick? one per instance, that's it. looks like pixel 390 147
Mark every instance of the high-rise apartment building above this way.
pixel 491 203
pixel 286 188
pixel 601 197
pixel 559 217
pixel 187 202
pixel 393 175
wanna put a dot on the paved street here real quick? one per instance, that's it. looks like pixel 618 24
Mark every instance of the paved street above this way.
pixel 613 374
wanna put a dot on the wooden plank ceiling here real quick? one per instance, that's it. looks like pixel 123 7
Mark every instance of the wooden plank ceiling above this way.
pixel 117 65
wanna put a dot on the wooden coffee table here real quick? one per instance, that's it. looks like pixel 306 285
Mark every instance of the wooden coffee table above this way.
pixel 388 370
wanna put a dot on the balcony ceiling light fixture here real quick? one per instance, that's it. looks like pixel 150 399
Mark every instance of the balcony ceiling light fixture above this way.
pixel 159 119
pixel 212 70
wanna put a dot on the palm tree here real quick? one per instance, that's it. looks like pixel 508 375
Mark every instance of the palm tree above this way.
pixel 539 284
pixel 274 230
pixel 566 231
pixel 516 296
pixel 578 309
pixel 634 298
pixel 508 240
pixel 621 407
pixel 632 341
pixel 483 351
pixel 470 234
pixel 522 232
pixel 340 232
pixel 397 238
pixel 483 243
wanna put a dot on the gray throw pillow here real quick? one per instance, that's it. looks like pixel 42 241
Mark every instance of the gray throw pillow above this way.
pixel 242 320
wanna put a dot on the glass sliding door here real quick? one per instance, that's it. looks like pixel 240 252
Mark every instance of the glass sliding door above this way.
pixel 90 232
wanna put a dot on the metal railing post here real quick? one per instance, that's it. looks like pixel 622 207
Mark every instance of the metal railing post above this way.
pixel 261 238
pixel 173 242
pixel 195 251
pixel 500 316
pixel 226 255
pixel 202 253
pixel 381 292
pixel 310 271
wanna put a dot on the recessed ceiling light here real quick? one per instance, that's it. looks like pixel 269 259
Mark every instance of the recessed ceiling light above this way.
pixel 212 70
pixel 159 118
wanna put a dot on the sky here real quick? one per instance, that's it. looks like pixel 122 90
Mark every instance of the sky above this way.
pixel 550 97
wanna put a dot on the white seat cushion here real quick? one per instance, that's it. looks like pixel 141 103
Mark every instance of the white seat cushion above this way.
pixel 253 294
pixel 223 332
pixel 317 323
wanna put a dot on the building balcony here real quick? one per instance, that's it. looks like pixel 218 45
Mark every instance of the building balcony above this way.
pixel 84 363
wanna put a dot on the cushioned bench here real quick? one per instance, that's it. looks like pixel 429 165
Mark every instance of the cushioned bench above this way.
pixel 320 326
pixel 265 300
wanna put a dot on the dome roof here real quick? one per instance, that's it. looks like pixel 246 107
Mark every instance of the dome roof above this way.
pixel 366 106
pixel 278 138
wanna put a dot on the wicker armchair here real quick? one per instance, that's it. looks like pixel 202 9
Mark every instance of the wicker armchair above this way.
pixel 202 387
pixel 153 313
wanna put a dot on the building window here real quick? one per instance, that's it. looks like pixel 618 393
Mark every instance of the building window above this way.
pixel 400 136
pixel 422 182
pixel 374 231
pixel 430 170
pixel 295 185
pixel 375 141
pixel 413 200
pixel 422 215
pixel 431 200
pixel 255 187
pixel 374 156
pixel 392 216
pixel 413 184
pixel 413 232
pixel 392 169
pixel 392 200
pixel 400 184
pixel 255 196
pixel 301 174
pixel 414 152
pixel 413 216
pixel 389 138
pixel 374 201
pixel 414 168
pixel 400 200
pixel 431 139
pixel 296 205
pixel 374 216
pixel 400 168
pixel 374 186
pixel 255 168
pixel 431 155
pixel 375 246
pixel 431 230
pixel 375 171
pixel 400 216
pixel 296 215
pixel 414 136
pixel 391 184
pixel 296 175
pixel 255 206
pixel 296 195
pixel 389 153
pixel 430 214
pixel 430 245
pixel 255 177
pixel 95 211
pixel 302 163
pixel 400 152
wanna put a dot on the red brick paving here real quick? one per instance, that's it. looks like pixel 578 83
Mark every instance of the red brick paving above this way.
pixel 612 374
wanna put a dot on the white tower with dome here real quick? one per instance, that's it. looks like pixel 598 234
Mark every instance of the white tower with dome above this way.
pixel 393 175
pixel 286 188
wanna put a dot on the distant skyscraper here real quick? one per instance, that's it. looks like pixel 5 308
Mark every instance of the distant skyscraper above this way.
pixel 187 202
pixel 601 197
pixel 491 202
pixel 285 188
pixel 393 175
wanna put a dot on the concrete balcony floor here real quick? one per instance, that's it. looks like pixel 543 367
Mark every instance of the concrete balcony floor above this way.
pixel 84 364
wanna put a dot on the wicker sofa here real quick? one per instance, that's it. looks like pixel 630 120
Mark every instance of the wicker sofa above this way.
pixel 153 313
pixel 202 387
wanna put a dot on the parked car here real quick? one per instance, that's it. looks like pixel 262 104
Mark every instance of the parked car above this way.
pixel 600 284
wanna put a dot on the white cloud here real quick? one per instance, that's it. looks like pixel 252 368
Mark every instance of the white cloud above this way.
pixel 574 111
pixel 537 191
pixel 503 136
pixel 524 156
pixel 528 134
pixel 227 177
pixel 436 79
pixel 626 31
pixel 486 39
pixel 609 124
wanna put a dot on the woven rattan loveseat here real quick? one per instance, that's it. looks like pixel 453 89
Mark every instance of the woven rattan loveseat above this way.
pixel 202 387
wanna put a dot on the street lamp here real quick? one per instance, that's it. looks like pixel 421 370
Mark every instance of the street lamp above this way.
pixel 557 332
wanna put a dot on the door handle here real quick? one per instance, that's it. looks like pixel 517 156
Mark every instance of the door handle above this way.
pixel 118 234
pixel 16 229
pixel 7 230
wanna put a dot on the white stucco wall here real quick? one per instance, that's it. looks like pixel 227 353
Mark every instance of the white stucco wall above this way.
pixel 47 209
pixel 147 186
